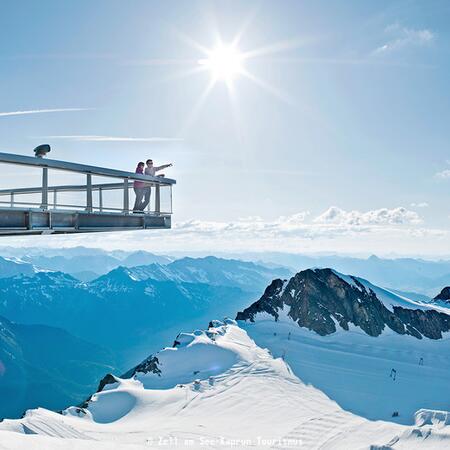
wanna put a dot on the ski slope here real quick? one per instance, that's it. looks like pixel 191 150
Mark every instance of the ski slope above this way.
pixel 356 369
pixel 238 397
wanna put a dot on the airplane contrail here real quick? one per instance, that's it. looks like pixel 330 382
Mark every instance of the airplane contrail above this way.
pixel 95 138
pixel 39 111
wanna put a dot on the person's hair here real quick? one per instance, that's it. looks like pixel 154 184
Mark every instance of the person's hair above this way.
pixel 149 161
pixel 141 163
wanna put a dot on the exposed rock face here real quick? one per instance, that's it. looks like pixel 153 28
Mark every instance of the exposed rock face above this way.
pixel 444 295
pixel 148 365
pixel 318 299
pixel 107 379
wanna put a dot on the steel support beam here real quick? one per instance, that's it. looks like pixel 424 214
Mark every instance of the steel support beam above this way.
pixel 89 192
pixel 126 197
pixel 157 199
pixel 44 201
pixel 100 199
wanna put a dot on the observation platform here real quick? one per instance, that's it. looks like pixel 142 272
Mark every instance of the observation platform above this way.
pixel 66 197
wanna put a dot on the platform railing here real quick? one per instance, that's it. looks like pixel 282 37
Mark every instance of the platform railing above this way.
pixel 15 196
pixel 50 199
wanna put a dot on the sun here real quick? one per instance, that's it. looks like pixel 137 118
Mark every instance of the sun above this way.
pixel 224 62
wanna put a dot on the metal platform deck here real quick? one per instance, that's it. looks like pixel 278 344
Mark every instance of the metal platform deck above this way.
pixel 27 210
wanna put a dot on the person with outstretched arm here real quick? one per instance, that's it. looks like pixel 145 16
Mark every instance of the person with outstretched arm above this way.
pixel 139 188
pixel 151 170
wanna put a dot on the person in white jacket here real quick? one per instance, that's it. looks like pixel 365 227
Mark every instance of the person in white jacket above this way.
pixel 151 170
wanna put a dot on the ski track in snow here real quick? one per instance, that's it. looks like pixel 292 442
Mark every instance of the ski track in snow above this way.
pixel 317 431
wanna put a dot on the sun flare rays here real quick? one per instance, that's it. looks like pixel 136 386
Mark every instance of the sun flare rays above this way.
pixel 226 64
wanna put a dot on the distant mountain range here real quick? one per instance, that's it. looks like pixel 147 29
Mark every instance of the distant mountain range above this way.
pixel 411 275
pixel 12 267
pixel 129 311
pixel 87 267
pixel 46 366
pixel 210 270
pixel 403 274
pixel 127 306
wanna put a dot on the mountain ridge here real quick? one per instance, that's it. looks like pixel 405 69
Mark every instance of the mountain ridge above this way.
pixel 320 299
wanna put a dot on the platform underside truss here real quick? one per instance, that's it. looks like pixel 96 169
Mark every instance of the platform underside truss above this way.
pixel 35 221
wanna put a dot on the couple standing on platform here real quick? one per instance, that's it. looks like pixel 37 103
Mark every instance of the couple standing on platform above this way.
pixel 141 188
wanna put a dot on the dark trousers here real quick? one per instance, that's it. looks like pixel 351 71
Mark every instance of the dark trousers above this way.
pixel 147 194
pixel 140 192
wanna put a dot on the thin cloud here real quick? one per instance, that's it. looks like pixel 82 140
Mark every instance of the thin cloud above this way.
pixel 403 37
pixel 40 111
pixel 443 175
pixel 420 205
pixel 96 138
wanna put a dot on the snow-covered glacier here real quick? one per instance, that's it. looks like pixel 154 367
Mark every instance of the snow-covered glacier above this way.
pixel 215 388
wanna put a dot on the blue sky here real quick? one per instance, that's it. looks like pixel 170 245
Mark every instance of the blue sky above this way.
pixel 342 143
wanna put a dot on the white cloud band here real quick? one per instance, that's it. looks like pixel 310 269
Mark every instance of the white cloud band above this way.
pixel 382 216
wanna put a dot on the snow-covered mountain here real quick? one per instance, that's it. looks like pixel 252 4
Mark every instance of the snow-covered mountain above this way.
pixel 379 355
pixel 134 310
pixel 88 264
pixel 215 389
pixel 142 258
pixel 117 307
pixel 117 311
pixel 322 360
pixel 322 299
pixel 10 267
pixel 128 315
pixel 403 274
pixel 210 270
pixel 32 376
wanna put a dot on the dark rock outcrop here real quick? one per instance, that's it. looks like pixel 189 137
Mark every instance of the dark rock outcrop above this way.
pixel 107 379
pixel 318 299
pixel 148 365
pixel 444 295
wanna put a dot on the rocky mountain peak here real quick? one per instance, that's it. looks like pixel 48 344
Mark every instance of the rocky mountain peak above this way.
pixel 444 295
pixel 322 299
